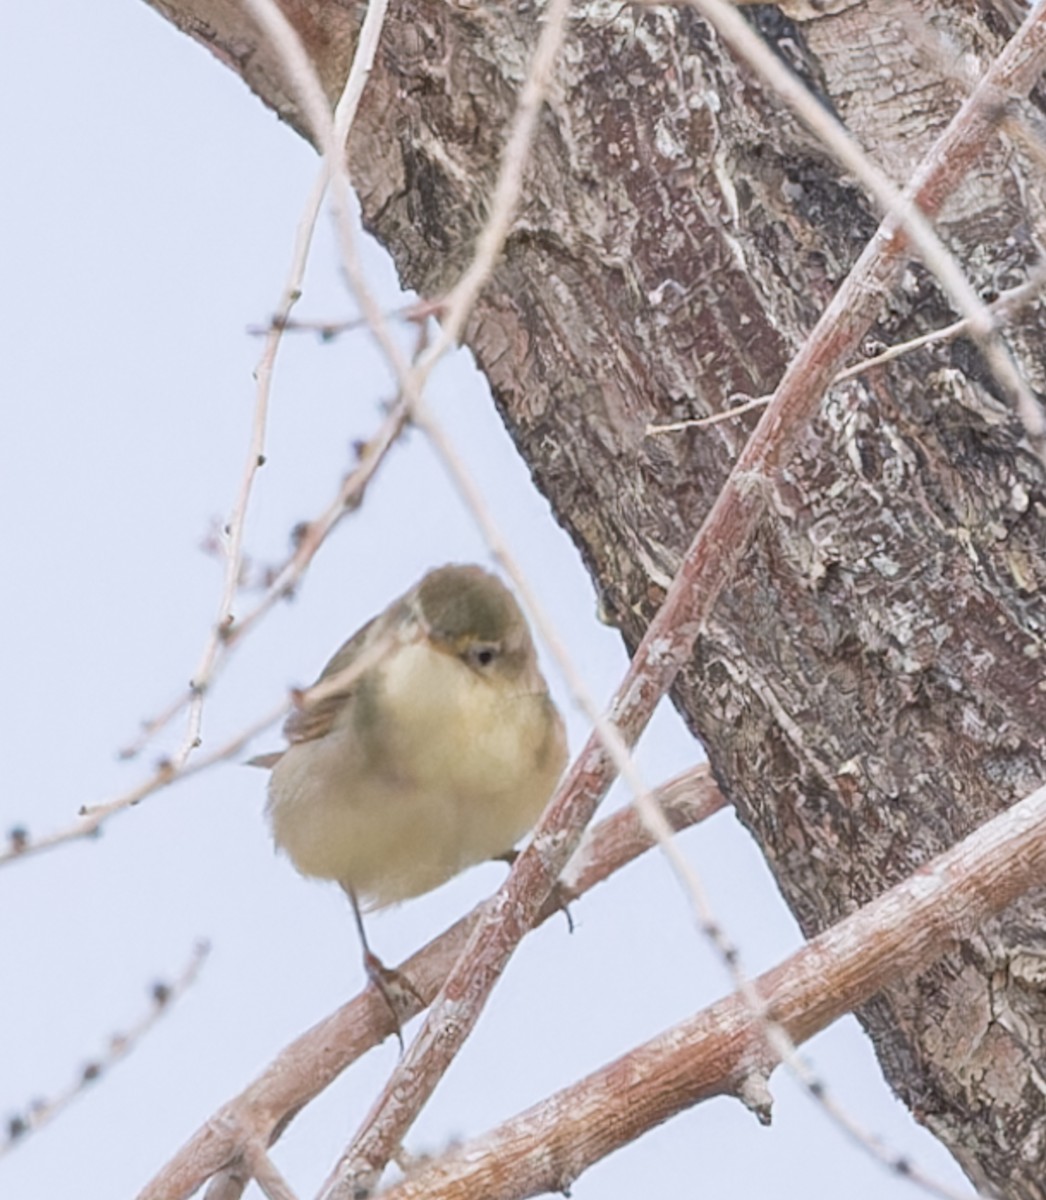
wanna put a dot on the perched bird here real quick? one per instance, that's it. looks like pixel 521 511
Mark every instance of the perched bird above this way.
pixel 439 752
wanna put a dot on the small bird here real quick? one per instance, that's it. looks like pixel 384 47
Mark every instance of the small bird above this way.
pixel 438 754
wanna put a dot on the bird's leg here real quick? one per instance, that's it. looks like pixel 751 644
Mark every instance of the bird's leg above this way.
pixel 393 986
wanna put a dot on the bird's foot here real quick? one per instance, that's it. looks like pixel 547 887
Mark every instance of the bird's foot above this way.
pixel 396 990
pixel 560 896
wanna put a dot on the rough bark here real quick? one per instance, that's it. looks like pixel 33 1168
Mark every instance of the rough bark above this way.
pixel 870 689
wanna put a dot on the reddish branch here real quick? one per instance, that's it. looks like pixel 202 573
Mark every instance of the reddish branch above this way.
pixel 708 567
pixel 257 1117
pixel 723 1050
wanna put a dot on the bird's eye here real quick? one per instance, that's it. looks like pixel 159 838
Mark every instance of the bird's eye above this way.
pixel 482 654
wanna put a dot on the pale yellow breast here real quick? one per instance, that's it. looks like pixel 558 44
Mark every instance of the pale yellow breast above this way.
pixel 444 769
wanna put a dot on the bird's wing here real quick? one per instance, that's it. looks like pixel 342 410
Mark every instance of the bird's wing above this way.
pixel 315 720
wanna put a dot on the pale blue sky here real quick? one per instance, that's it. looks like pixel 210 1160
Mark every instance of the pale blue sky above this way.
pixel 148 220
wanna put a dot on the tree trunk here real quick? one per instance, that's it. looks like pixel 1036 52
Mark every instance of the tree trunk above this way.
pixel 870 688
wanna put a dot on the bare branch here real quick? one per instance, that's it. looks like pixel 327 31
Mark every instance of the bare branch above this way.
pixel 88 824
pixel 267 1176
pixel 615 841
pixel 1010 301
pixel 329 331
pixel 220 635
pixel 904 211
pixel 163 997
pixel 314 533
pixel 728 414
pixel 1007 303
pixel 312 1062
pixel 720 1049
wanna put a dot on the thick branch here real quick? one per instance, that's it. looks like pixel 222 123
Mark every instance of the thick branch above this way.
pixel 901 933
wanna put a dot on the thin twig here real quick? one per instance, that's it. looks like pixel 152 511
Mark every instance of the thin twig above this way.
pixel 727 414
pixel 21 844
pixel 904 211
pixel 219 639
pixel 328 331
pixel 91 818
pixel 163 997
pixel 168 772
pixel 1010 301
pixel 235 527
pixel 313 534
